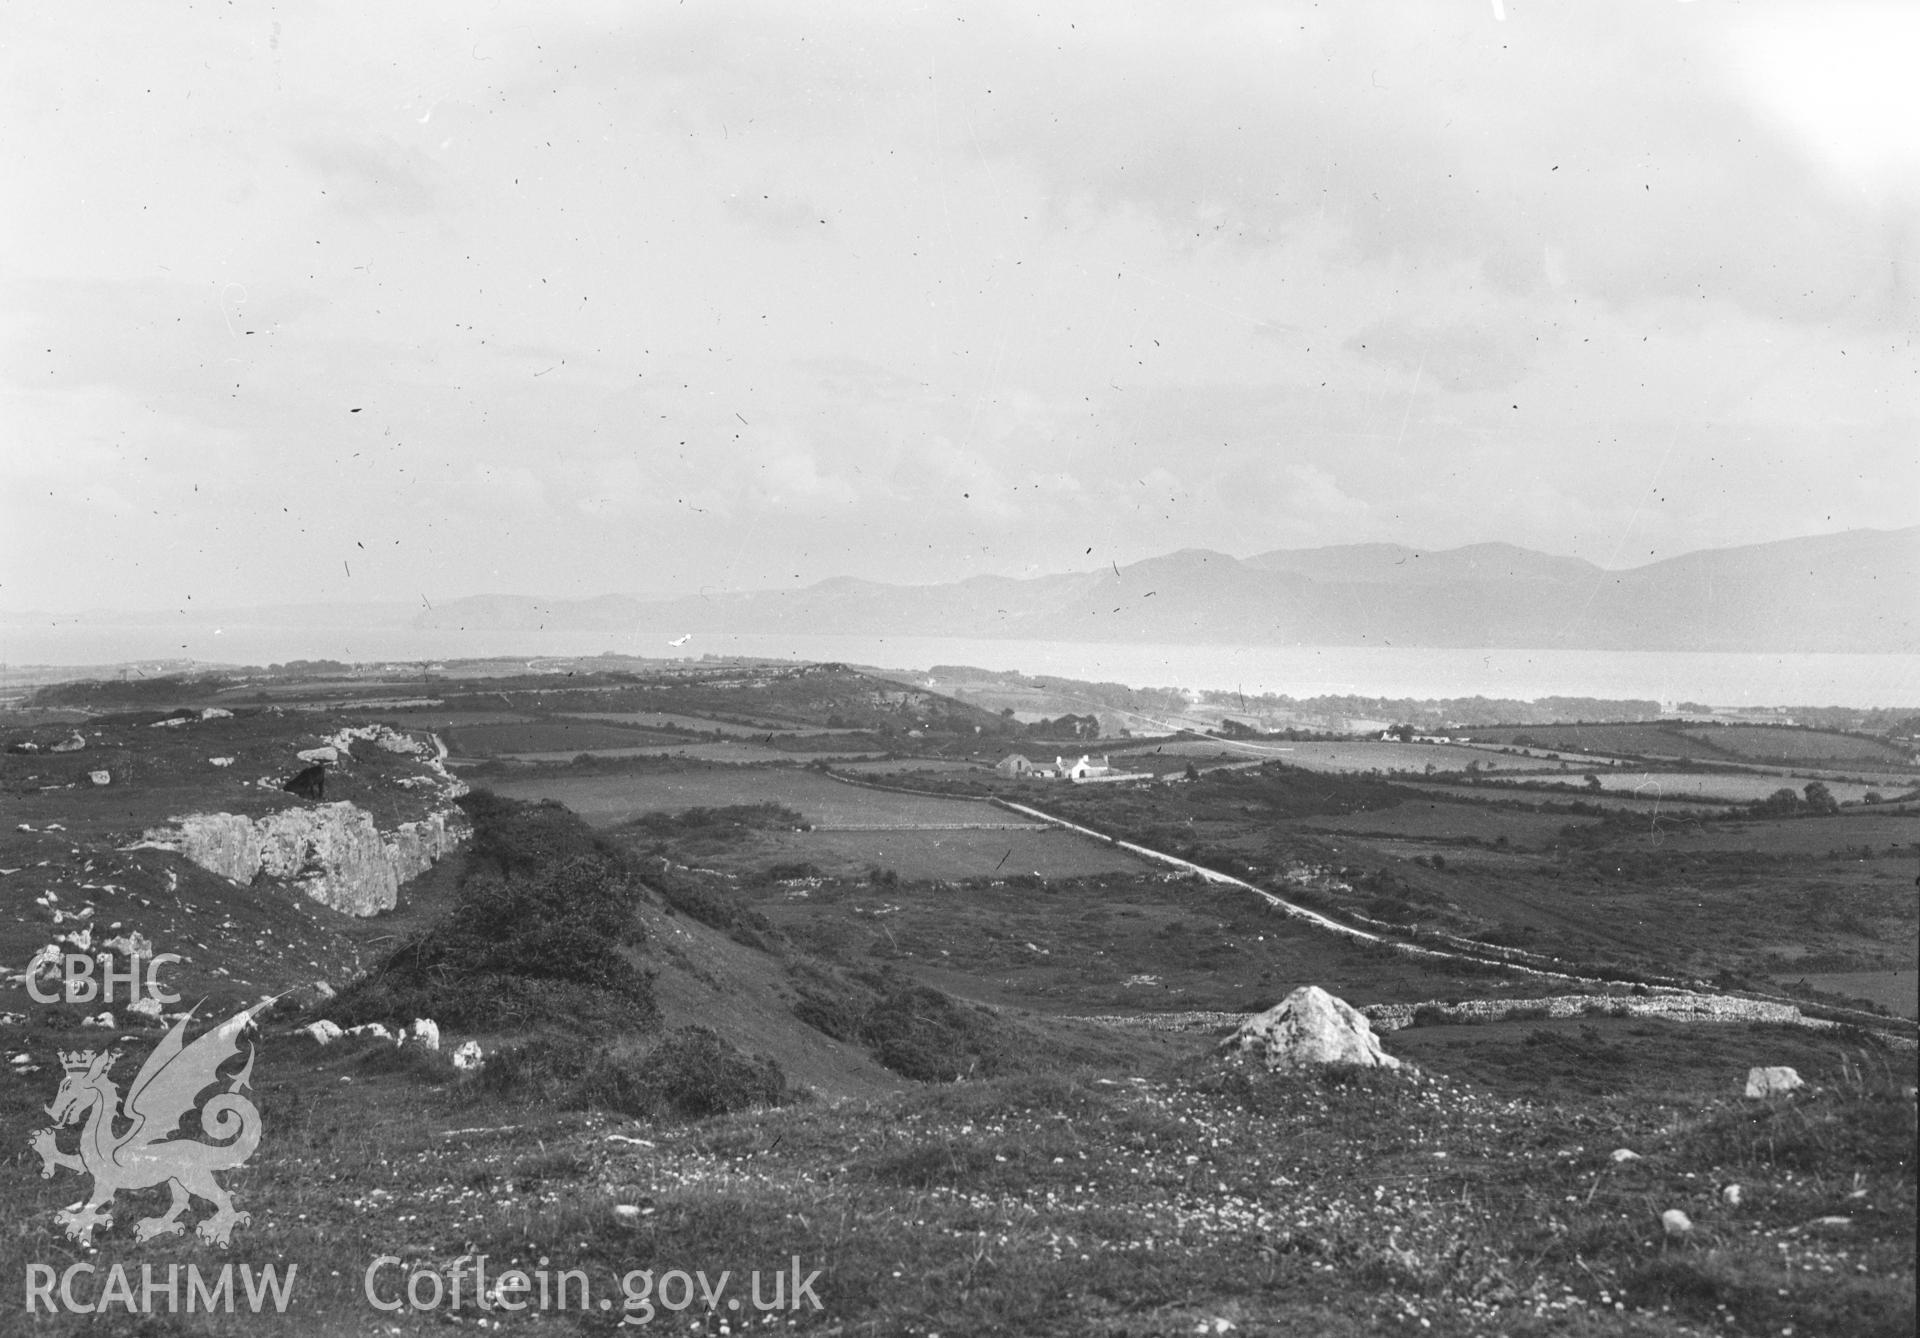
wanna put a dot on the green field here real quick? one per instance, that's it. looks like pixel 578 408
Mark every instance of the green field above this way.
pixel 731 750
pixel 552 735
pixel 946 856
pixel 606 800
pixel 1443 821
pixel 671 720
pixel 1740 788
pixel 1679 738
pixel 1359 755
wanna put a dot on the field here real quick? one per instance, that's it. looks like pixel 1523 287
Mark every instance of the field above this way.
pixel 611 799
pixel 1732 788
pixel 1442 821
pixel 732 750
pixel 1896 991
pixel 671 720
pixel 1767 743
pixel 1810 838
pixel 941 856
pixel 1362 755
pixel 1677 738
pixel 553 735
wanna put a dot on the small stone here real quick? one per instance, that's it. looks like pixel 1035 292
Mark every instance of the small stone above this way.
pixel 1731 1196
pixel 1676 1222
pixel 1772 1081
pixel 323 1031
pixel 1625 1155
pixel 468 1056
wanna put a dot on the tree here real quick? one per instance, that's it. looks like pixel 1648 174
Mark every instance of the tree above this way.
pixel 1820 799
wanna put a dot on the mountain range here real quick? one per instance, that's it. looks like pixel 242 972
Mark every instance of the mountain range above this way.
pixel 1855 592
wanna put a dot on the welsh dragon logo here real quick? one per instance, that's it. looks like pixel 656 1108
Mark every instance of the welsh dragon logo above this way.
pixel 145 1153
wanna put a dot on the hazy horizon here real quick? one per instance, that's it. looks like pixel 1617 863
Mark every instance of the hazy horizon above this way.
pixel 345 305
pixel 416 604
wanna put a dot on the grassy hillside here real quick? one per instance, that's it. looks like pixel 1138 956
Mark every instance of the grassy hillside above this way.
pixel 962 1066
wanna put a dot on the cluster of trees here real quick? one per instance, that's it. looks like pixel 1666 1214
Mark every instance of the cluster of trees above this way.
pixel 1816 798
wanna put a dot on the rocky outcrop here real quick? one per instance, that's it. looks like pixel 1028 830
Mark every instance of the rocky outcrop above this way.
pixel 332 852
pixel 1311 1027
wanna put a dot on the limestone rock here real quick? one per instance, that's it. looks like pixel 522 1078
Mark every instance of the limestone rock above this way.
pixel 468 1056
pixel 73 743
pixel 1311 1027
pixel 323 1031
pixel 427 1032
pixel 327 753
pixel 333 852
pixel 1676 1223
pixel 1772 1081
pixel 100 777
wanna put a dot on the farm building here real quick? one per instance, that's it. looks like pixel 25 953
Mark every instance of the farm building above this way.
pixel 1013 764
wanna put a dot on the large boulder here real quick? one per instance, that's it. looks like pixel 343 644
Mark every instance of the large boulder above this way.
pixel 1311 1027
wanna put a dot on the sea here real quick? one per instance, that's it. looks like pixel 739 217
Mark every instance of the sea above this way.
pixel 1710 678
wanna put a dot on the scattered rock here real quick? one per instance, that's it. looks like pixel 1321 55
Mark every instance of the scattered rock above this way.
pixel 373 1029
pixel 1311 1027
pixel 1677 1223
pixel 324 753
pixel 72 744
pixel 100 777
pixel 221 761
pixel 133 944
pixel 1772 1081
pixel 427 1032
pixel 146 1006
pixel 323 1031
pixel 1625 1155
pixel 1731 1196
pixel 215 713
pixel 468 1056
pixel 103 1020
pixel 627 1213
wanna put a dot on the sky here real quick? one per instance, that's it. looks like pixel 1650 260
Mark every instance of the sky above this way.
pixel 396 302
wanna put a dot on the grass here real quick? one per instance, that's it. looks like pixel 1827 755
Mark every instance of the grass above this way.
pixel 618 797
pixel 1339 1203
pixel 1078 1178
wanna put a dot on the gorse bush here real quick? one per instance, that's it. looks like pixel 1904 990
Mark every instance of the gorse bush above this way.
pixel 544 914
pixel 914 1030
pixel 727 819
pixel 691 1074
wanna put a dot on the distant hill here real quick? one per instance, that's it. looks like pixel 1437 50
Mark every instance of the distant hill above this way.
pixel 1856 592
